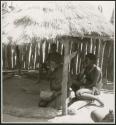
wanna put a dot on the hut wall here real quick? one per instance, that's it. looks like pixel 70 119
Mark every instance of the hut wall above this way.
pixel 32 55
pixel 108 62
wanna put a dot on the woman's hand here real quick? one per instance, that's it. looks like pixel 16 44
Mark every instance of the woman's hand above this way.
pixel 95 91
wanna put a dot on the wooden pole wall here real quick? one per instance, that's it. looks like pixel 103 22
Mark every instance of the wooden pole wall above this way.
pixel 31 55
pixel 110 62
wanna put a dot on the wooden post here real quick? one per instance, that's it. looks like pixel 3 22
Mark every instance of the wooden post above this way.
pixel 109 61
pixel 77 61
pixel 105 62
pixel 98 50
pixel 91 44
pixel 102 54
pixel 9 56
pixel 88 45
pixel 27 56
pixel 38 55
pixel 41 52
pixel 65 78
pixel 6 62
pixel 3 56
pixel 83 53
pixel 93 48
pixel 67 59
pixel 73 48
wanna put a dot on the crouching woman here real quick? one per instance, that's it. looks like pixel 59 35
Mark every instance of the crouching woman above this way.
pixel 91 84
pixel 55 78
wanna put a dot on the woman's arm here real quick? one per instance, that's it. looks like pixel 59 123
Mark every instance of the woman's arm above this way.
pixel 95 78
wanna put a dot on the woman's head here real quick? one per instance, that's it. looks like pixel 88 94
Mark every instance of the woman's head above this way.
pixel 53 47
pixel 90 59
pixel 53 65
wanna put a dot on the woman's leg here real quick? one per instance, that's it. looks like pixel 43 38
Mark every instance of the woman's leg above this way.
pixel 87 94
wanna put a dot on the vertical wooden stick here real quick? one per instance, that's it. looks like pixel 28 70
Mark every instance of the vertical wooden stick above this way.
pixel 102 54
pixel 65 79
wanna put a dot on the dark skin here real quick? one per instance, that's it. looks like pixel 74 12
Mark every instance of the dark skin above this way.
pixel 55 74
pixel 87 91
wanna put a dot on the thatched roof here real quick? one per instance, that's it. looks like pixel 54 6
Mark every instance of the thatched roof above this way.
pixel 51 19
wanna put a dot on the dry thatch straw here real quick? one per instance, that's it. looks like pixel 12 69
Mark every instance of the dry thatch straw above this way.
pixel 52 19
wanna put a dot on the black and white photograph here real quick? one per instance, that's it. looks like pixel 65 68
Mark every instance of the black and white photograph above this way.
pixel 58 62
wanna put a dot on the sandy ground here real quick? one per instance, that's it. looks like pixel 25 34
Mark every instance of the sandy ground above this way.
pixel 23 93
pixel 83 115
pixel 12 119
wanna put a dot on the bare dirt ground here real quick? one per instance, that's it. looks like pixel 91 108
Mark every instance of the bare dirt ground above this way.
pixel 20 104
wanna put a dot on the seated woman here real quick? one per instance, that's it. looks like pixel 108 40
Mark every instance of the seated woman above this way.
pixel 55 79
pixel 89 83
